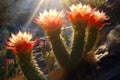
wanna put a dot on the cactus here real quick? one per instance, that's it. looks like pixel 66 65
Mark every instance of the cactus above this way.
pixel 77 46
pixel 59 50
pixel 29 67
pixel 86 23
pixel 22 47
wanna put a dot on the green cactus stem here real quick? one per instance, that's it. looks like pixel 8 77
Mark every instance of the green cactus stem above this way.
pixel 59 49
pixel 91 36
pixel 78 44
pixel 29 67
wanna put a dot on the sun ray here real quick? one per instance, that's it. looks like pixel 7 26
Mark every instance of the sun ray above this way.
pixel 35 12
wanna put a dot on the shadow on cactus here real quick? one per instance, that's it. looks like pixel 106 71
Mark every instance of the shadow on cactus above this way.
pixel 80 62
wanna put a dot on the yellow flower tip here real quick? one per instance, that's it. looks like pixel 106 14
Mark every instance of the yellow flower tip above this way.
pixel 50 20
pixel 100 16
pixel 20 43
pixel 79 13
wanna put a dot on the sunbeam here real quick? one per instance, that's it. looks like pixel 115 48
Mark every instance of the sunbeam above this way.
pixel 33 15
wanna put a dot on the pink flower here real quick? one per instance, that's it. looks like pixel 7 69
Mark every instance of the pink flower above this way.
pixel 43 43
pixel 4 67
pixel 0 51
pixel 8 60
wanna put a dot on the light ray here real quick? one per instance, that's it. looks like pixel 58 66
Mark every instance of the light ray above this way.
pixel 35 12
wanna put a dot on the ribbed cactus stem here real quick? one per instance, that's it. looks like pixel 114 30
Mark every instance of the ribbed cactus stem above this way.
pixel 29 67
pixel 91 35
pixel 78 44
pixel 59 49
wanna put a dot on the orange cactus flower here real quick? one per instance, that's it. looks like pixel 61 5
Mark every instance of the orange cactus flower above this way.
pixel 79 13
pixel 20 43
pixel 51 20
pixel 97 18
